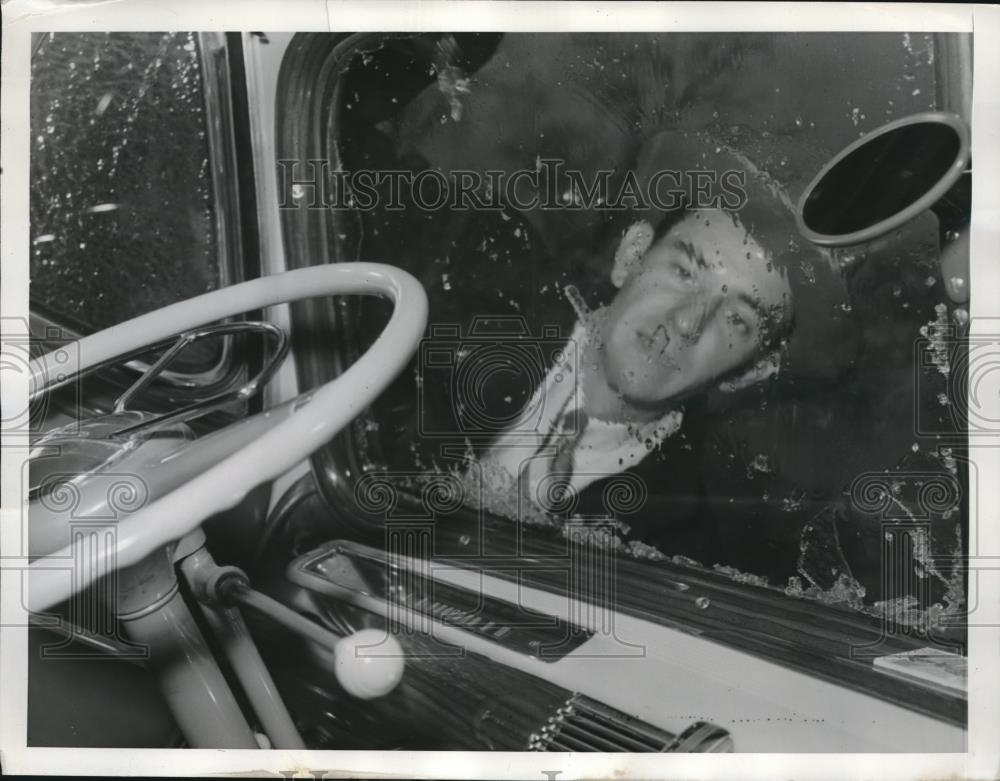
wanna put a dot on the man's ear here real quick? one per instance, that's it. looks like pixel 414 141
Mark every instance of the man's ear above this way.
pixel 631 248
pixel 765 367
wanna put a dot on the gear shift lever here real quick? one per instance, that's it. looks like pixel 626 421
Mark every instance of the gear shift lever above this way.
pixel 363 675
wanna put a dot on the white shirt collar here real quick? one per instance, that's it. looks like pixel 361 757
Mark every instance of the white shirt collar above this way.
pixel 602 449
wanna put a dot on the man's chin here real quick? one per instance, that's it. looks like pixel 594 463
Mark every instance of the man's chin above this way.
pixel 650 395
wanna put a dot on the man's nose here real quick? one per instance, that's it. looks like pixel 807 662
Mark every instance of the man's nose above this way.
pixel 691 317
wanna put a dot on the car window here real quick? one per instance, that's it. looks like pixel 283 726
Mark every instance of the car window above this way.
pixel 786 435
pixel 122 207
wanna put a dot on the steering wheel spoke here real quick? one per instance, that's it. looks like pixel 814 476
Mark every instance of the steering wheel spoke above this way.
pixel 279 349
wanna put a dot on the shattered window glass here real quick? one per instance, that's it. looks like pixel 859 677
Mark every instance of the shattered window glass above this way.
pixel 783 431
pixel 122 214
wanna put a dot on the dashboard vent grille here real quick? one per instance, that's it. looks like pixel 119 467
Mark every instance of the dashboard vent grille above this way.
pixel 583 724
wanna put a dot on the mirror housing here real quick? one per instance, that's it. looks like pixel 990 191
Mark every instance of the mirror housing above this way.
pixel 889 177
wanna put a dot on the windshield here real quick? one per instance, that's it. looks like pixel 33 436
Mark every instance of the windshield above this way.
pixel 627 329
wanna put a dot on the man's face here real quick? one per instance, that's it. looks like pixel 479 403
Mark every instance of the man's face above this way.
pixel 694 308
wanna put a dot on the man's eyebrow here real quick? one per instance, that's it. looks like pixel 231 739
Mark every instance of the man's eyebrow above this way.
pixel 689 250
pixel 754 304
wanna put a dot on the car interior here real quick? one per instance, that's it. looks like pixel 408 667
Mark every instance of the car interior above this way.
pixel 777 573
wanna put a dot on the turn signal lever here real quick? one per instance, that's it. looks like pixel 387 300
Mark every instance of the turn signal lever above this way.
pixel 369 663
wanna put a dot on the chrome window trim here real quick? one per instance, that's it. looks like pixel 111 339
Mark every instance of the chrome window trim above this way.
pixel 953 74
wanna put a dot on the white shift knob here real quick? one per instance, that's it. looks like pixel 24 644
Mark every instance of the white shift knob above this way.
pixel 369 663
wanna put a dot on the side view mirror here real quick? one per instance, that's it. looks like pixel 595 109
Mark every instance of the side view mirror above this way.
pixel 888 177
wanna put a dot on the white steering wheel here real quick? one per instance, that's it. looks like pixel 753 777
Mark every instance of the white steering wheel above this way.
pixel 254 450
